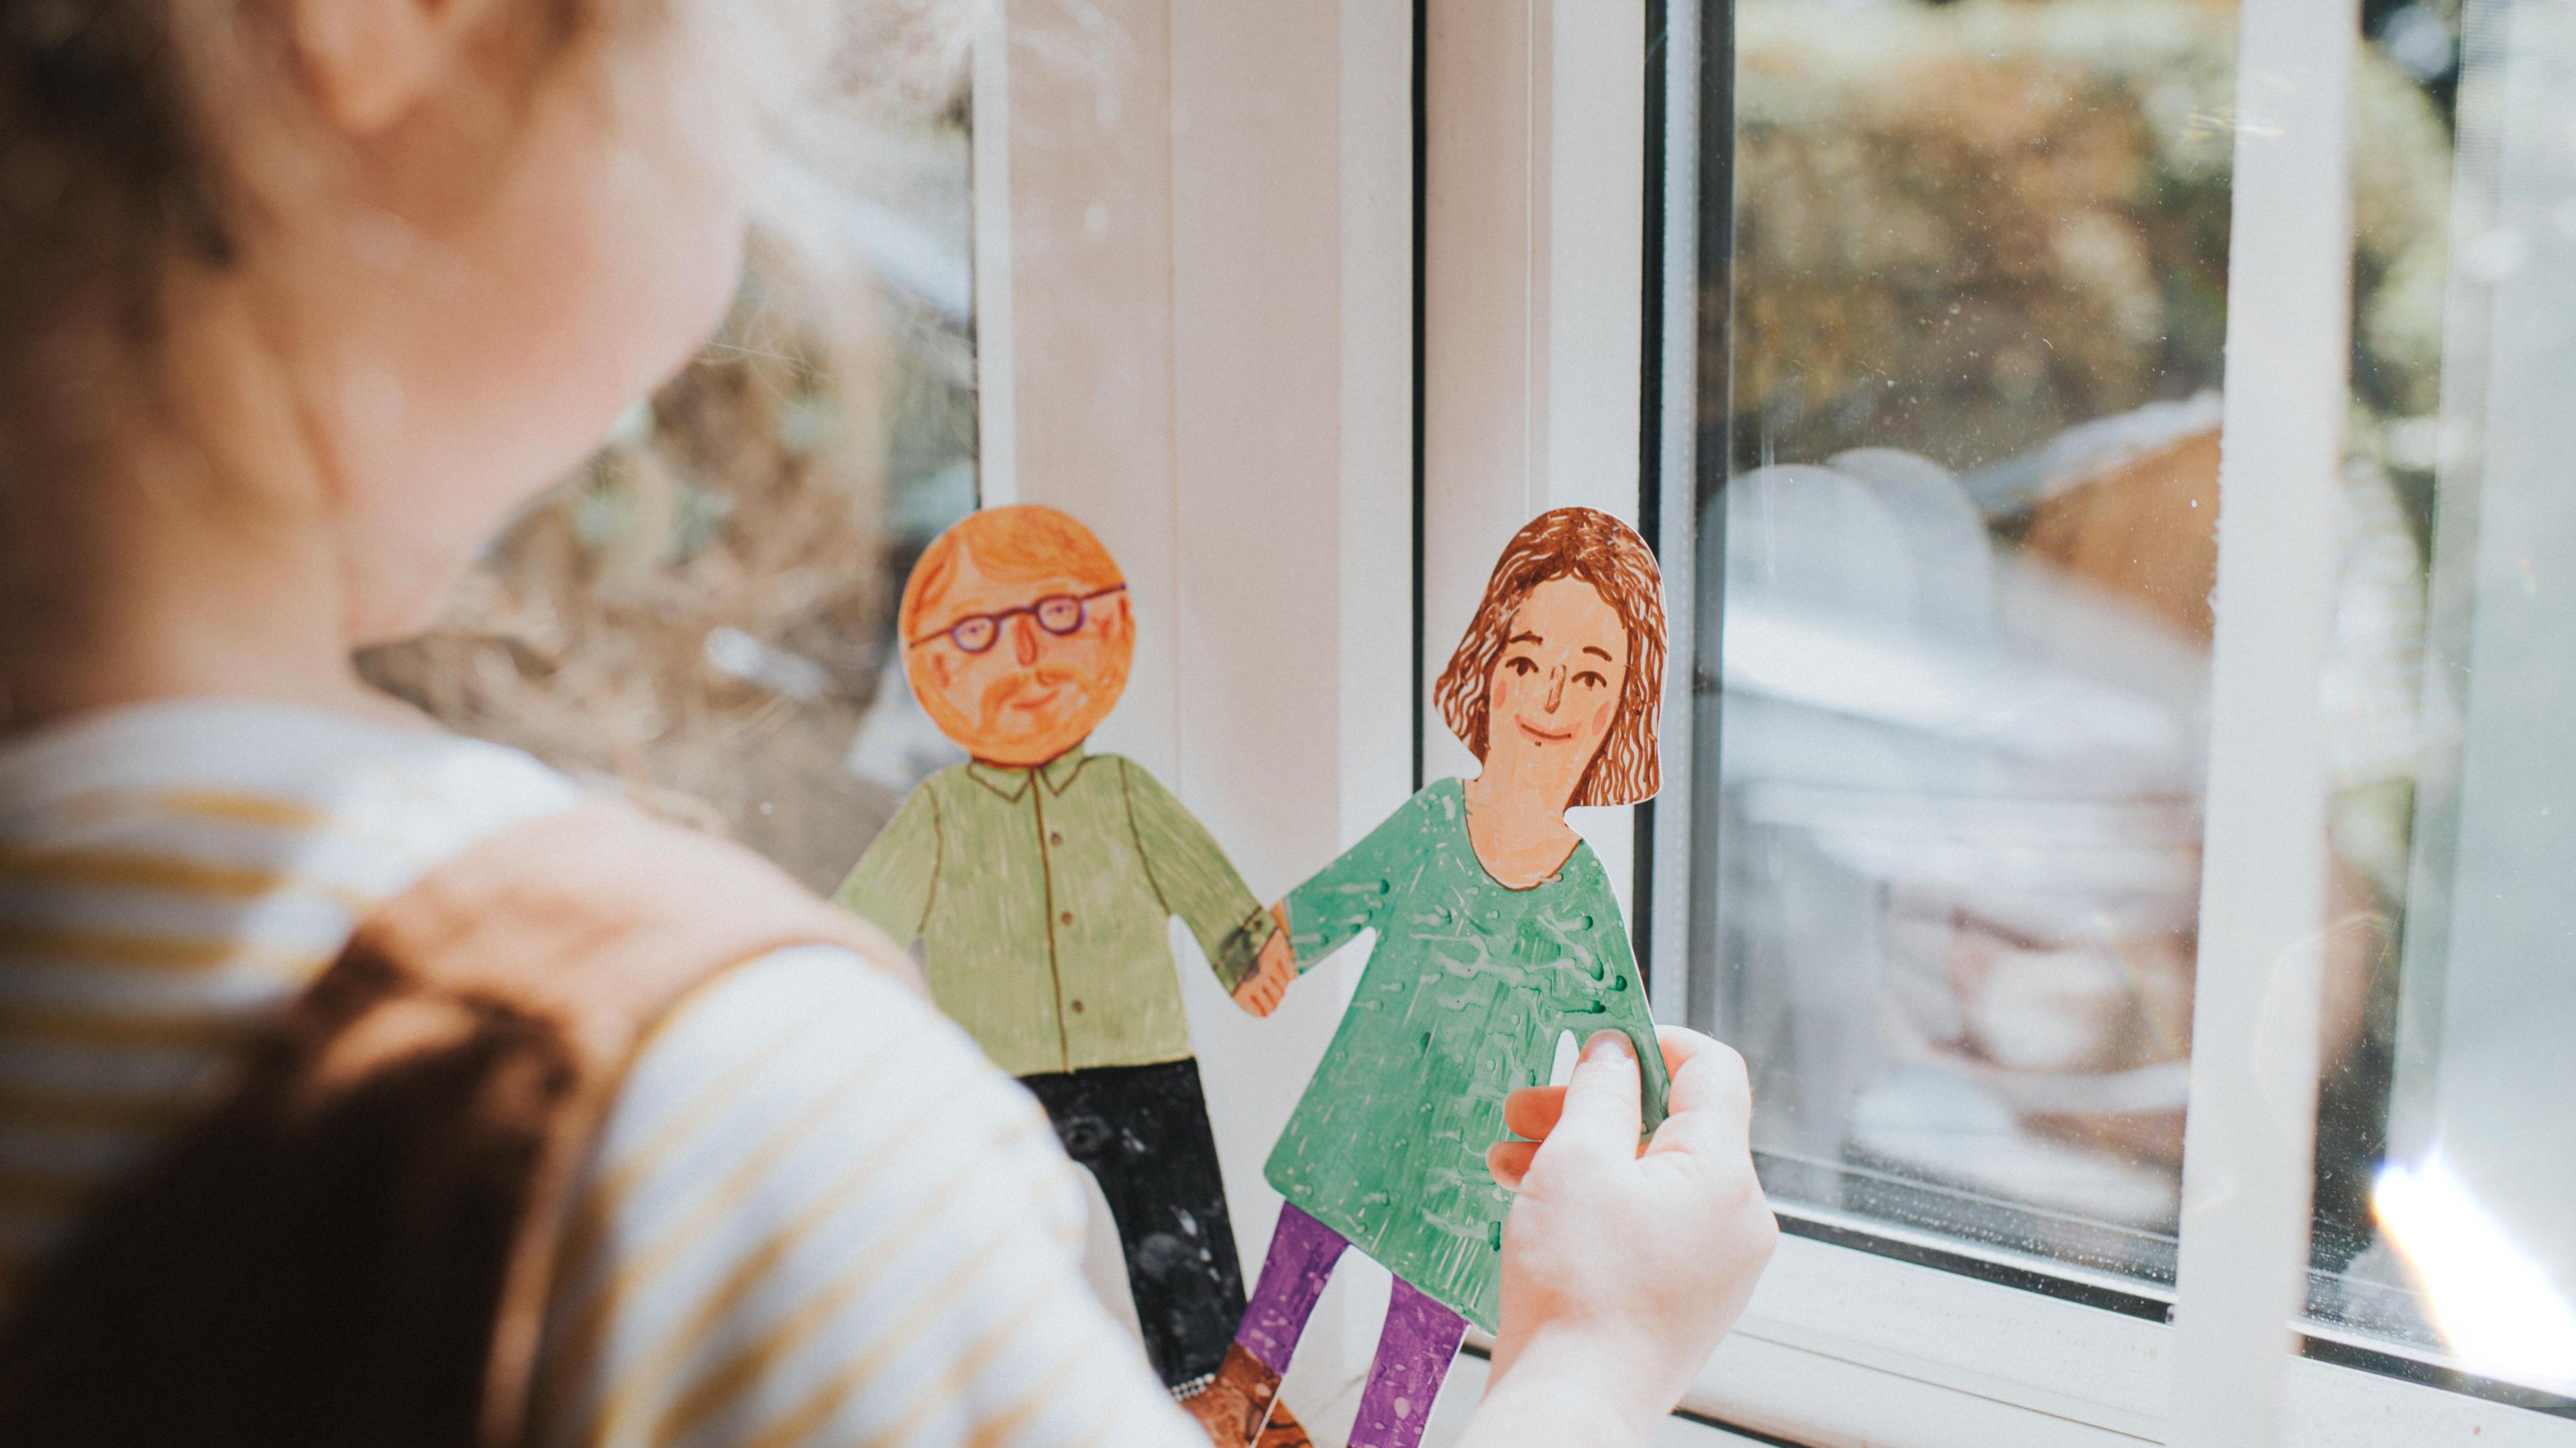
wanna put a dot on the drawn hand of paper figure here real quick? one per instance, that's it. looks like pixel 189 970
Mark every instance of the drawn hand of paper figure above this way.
pixel 1275 970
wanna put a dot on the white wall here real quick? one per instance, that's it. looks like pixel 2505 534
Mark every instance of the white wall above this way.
pixel 1533 298
pixel 1206 345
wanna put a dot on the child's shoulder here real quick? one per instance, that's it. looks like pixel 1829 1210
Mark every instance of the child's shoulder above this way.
pixel 380 800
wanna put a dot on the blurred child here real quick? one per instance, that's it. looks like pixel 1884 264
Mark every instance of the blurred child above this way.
pixel 359 1083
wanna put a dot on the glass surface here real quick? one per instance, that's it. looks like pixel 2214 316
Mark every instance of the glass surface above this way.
pixel 1954 614
pixel 2457 1124
pixel 704 613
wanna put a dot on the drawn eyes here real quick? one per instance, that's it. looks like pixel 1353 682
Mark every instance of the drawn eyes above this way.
pixel 1522 666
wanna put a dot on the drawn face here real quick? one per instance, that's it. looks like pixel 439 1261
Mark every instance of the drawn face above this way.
pixel 1045 673
pixel 1556 689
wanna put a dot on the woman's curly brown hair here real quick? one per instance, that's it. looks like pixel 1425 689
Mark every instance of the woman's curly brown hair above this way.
pixel 1606 553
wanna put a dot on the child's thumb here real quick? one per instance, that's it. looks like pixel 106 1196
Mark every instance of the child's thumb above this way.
pixel 1601 1106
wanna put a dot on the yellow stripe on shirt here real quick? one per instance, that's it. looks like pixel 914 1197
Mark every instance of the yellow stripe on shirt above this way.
pixel 744 1369
pixel 120 1028
pixel 581 1342
pixel 241 808
pixel 149 950
pixel 947 1387
pixel 825 1402
pixel 162 874
pixel 606 1197
pixel 998 1429
pixel 652 1373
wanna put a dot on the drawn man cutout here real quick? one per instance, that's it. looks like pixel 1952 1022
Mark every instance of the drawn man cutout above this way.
pixel 1496 932
pixel 1042 880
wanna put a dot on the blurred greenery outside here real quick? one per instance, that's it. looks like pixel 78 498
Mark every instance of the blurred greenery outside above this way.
pixel 1964 229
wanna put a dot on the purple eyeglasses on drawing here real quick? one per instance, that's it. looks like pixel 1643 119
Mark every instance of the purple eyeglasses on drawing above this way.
pixel 1058 614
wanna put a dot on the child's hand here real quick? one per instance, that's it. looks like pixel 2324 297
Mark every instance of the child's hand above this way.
pixel 1275 969
pixel 1622 1268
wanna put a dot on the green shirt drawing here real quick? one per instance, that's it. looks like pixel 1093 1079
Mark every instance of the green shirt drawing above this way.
pixel 1465 993
pixel 1045 910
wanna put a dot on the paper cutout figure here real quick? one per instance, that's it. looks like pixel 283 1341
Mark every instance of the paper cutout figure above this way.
pixel 1496 931
pixel 1042 879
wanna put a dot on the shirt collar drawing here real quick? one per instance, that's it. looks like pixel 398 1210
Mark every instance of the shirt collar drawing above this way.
pixel 1011 782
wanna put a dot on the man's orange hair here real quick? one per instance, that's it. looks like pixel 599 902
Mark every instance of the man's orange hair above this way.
pixel 1022 542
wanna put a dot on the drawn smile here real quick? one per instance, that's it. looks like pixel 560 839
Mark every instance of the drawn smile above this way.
pixel 1038 700
pixel 1543 736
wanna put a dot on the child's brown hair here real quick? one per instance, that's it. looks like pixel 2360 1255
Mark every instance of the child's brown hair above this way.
pixel 113 164
pixel 154 151
pixel 132 137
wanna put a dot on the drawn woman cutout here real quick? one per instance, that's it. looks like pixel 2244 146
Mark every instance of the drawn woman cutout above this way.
pixel 1496 931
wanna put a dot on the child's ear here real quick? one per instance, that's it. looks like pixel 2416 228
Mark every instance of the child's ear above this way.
pixel 370 63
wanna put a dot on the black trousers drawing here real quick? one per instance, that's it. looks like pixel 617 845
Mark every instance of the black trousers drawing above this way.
pixel 1142 1131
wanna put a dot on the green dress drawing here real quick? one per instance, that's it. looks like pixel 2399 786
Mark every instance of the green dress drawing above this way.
pixel 1466 991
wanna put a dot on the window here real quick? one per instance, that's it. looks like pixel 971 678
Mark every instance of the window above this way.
pixel 2468 1274
pixel 1926 407
pixel 705 616
pixel 1961 566
pixel 1955 396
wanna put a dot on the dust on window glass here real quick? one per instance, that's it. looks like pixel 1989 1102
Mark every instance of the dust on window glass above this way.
pixel 2450 1119
pixel 704 614
pixel 1956 598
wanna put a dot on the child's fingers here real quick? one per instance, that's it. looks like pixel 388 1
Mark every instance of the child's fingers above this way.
pixel 1532 1111
pixel 1680 1044
pixel 1601 1112
pixel 1711 1099
pixel 1509 1161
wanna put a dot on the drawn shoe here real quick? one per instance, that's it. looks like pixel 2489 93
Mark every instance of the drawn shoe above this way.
pixel 1239 1407
pixel 1284 1430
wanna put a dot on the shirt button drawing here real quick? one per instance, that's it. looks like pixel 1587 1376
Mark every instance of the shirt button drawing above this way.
pixel 1055 837
pixel 1077 1008
pixel 1065 919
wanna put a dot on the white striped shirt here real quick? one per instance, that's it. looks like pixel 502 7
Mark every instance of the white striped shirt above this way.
pixel 817 1216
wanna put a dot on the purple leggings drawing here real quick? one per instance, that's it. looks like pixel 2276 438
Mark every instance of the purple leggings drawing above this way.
pixel 1414 1349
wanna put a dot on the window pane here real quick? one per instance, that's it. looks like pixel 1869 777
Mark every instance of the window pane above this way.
pixel 1955 590
pixel 2451 1118
pixel 704 613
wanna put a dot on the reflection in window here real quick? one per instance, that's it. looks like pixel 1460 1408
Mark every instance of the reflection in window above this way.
pixel 2464 1269
pixel 1956 591
pixel 705 614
